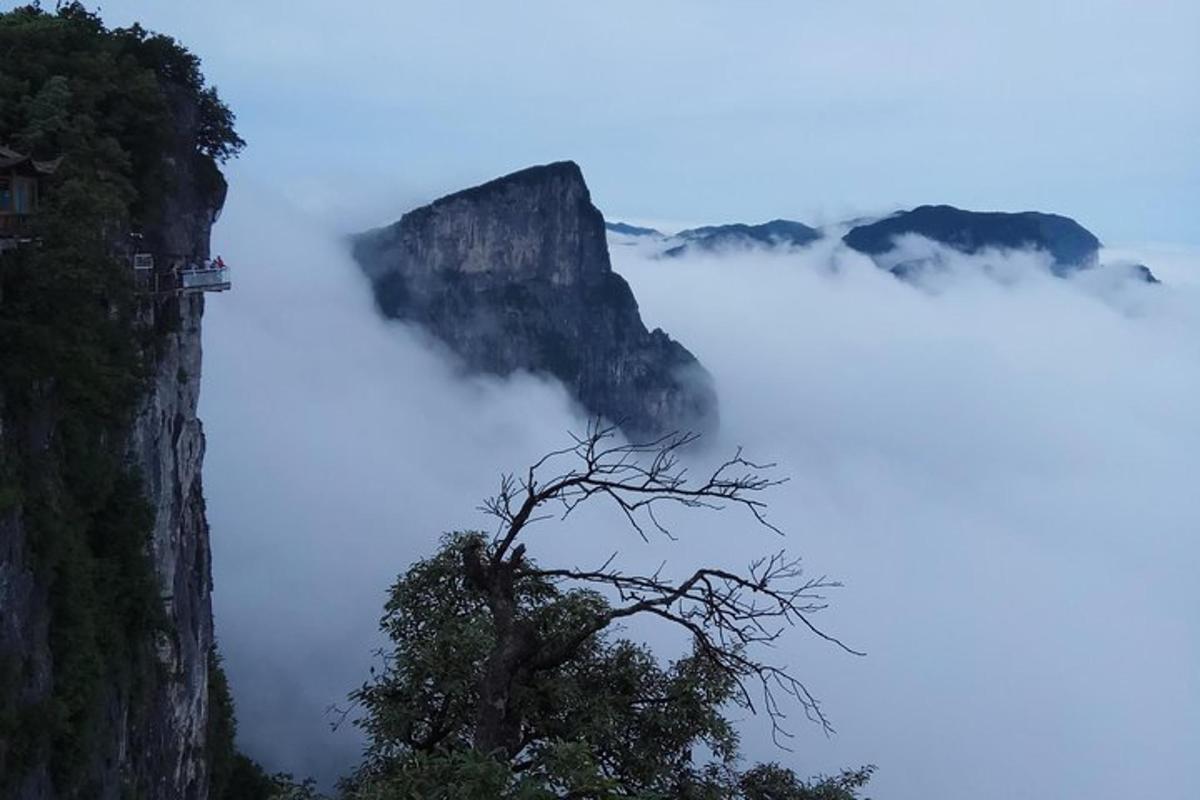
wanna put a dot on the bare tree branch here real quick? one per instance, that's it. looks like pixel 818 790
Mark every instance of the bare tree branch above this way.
pixel 636 477
pixel 732 617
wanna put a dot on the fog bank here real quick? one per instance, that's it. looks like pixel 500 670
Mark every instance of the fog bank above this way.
pixel 999 468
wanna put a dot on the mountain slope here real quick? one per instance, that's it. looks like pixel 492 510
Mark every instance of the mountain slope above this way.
pixel 625 229
pixel 776 233
pixel 1069 244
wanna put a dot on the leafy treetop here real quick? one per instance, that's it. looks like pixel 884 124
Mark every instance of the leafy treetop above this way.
pixel 505 679
pixel 107 101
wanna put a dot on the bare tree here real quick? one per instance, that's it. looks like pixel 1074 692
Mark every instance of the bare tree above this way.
pixel 733 617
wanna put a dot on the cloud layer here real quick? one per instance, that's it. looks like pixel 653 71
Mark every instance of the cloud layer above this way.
pixel 1000 469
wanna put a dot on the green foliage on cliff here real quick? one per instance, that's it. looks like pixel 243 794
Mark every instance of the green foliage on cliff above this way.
pixel 74 361
pixel 610 722
pixel 104 99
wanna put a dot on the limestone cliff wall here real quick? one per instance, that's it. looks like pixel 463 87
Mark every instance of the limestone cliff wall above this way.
pixel 146 731
pixel 167 445
pixel 515 275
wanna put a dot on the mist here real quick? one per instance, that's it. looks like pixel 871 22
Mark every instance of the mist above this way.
pixel 998 464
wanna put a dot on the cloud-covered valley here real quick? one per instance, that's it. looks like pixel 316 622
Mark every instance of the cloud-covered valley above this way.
pixel 999 464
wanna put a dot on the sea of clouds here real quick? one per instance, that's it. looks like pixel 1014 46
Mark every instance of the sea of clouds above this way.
pixel 998 464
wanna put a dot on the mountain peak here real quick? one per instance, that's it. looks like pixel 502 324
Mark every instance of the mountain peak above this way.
pixel 514 275
pixel 565 175
pixel 534 223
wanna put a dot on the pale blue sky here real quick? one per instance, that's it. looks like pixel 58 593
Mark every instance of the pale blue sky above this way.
pixel 705 112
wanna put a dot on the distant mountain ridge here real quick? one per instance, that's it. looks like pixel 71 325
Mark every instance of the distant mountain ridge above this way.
pixel 776 233
pixel 625 229
pixel 1069 244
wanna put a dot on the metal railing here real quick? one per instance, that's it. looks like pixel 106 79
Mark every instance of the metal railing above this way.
pixel 207 280
pixel 180 276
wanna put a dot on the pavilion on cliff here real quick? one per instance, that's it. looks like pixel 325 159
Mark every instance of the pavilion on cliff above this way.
pixel 21 179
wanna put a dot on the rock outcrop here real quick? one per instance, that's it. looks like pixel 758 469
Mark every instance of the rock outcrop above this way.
pixel 1070 246
pixel 515 275
pixel 776 233
pixel 1142 273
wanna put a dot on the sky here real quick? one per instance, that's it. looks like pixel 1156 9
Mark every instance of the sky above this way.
pixel 693 111
pixel 1001 469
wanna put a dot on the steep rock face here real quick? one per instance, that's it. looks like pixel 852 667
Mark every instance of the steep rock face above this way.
pixel 149 737
pixel 1069 244
pixel 514 275
pixel 776 233
pixel 167 444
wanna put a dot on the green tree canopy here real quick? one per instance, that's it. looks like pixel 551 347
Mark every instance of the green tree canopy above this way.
pixel 586 713
pixel 105 100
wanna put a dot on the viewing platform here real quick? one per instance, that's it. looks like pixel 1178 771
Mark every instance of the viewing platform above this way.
pixel 210 279
pixel 180 275
pixel 21 192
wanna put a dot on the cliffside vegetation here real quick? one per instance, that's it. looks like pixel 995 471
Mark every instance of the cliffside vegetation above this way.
pixel 74 362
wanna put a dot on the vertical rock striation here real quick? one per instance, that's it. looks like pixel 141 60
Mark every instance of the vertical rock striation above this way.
pixel 166 445
pixel 515 275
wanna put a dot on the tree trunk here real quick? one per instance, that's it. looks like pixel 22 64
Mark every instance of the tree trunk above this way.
pixel 497 722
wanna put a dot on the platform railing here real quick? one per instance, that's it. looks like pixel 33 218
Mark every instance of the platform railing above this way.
pixel 215 279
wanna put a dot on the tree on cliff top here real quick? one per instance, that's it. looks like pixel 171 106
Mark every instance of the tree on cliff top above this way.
pixel 105 100
pixel 504 679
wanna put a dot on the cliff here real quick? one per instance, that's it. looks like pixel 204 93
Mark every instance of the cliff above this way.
pixel 106 631
pixel 146 725
pixel 515 275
